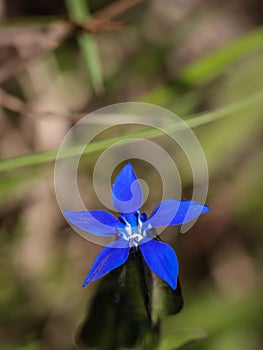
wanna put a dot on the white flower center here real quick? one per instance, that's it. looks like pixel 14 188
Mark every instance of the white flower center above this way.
pixel 134 234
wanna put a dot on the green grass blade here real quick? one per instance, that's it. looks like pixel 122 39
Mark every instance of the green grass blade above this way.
pixel 79 11
pixel 49 156
pixel 214 63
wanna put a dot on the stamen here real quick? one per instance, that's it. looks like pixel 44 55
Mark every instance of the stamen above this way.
pixel 136 235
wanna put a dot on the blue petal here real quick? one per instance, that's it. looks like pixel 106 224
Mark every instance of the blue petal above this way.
pixel 173 212
pixel 131 219
pixel 161 259
pixel 126 191
pixel 115 254
pixel 97 222
pixel 143 217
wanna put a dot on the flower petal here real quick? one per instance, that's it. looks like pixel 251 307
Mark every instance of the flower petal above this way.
pixel 97 222
pixel 173 212
pixel 126 191
pixel 115 254
pixel 161 259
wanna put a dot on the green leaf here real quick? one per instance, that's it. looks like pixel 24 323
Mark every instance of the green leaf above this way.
pixel 214 63
pixel 129 305
pixel 180 339
pixel 117 316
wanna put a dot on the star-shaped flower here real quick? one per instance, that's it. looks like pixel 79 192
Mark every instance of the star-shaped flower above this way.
pixel 133 229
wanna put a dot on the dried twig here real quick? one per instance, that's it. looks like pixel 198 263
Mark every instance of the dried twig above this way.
pixel 42 39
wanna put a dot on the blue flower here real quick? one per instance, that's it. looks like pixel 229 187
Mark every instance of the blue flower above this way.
pixel 133 229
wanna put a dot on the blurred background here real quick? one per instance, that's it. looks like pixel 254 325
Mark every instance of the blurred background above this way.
pixel 60 60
